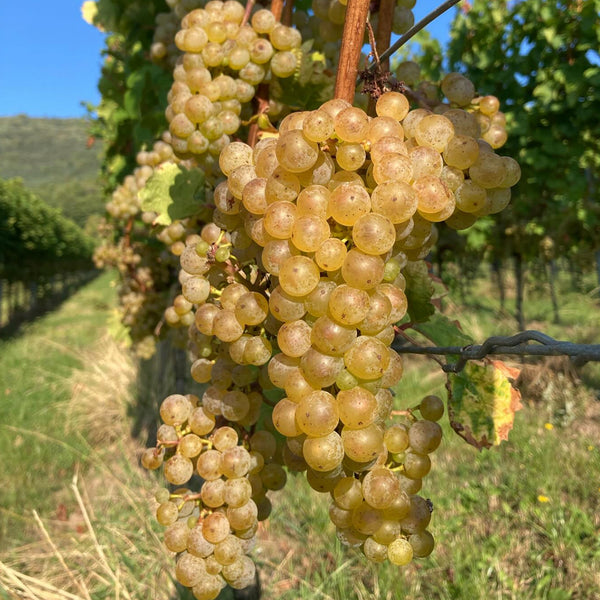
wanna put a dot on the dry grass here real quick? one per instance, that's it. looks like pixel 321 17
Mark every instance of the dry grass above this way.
pixel 101 539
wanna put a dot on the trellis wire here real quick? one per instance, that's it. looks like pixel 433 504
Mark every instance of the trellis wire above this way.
pixel 516 345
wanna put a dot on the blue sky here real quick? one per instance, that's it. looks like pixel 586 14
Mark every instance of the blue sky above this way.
pixel 50 61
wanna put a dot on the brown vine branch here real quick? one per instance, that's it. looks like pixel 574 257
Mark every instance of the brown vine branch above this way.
pixel 415 29
pixel 382 40
pixel 277 8
pixel 516 345
pixel 352 41
pixel 288 10
pixel 384 29
pixel 249 6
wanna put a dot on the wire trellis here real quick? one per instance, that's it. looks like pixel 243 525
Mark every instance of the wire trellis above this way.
pixel 515 345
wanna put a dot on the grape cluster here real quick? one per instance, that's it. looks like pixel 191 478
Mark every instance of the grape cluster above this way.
pixel 213 530
pixel 163 48
pixel 334 208
pixel 224 61
pixel 379 508
pixel 459 92
pixel 145 270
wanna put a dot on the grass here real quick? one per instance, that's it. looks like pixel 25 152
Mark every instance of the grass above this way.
pixel 36 367
pixel 521 521
pixel 76 516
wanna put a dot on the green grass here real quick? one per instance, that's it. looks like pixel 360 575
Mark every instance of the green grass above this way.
pixel 35 368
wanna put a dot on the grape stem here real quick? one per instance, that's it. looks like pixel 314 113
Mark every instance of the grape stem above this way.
pixel 262 107
pixel 288 9
pixel 277 8
pixel 249 6
pixel 352 41
pixel 416 97
pixel 442 8
pixel 384 30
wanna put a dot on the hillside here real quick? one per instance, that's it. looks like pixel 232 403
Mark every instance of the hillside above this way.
pixel 53 159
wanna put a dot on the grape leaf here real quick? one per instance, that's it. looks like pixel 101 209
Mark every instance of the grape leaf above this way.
pixel 309 87
pixel 173 192
pixel 482 402
pixel 443 332
pixel 419 291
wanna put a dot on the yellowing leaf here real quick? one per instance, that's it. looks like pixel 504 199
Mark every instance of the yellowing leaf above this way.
pixel 174 193
pixel 89 10
pixel 483 402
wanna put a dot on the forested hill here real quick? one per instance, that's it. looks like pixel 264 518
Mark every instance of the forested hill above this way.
pixel 53 159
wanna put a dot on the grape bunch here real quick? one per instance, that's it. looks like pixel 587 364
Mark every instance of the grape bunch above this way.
pixel 224 61
pixel 163 49
pixel 212 530
pixel 145 270
pixel 459 92
pixel 297 285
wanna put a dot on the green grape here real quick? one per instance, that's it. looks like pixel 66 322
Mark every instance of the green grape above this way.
pixel 284 418
pixel 424 436
pixel 317 414
pixel 175 409
pixel 208 588
pixel 176 535
pixel 241 517
pixel 416 466
pixel 400 552
pixel 380 487
pixel 366 519
pixel 324 453
pixel 215 527
pixel 152 458
pixel 237 491
pixel 347 493
pixel 357 407
pixel 284 64
pixel 434 131
pixel 273 476
pixel 422 543
pixel 162 495
pixel 178 469
pixel 390 529
pixel 299 276
pixel 431 408
pixel 362 445
pixel 167 513
pixel 375 551
pixel 189 569
pixel 418 516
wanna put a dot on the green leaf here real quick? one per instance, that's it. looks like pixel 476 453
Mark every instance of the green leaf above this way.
pixel 419 291
pixel 482 403
pixel 443 332
pixel 174 193
pixel 309 87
